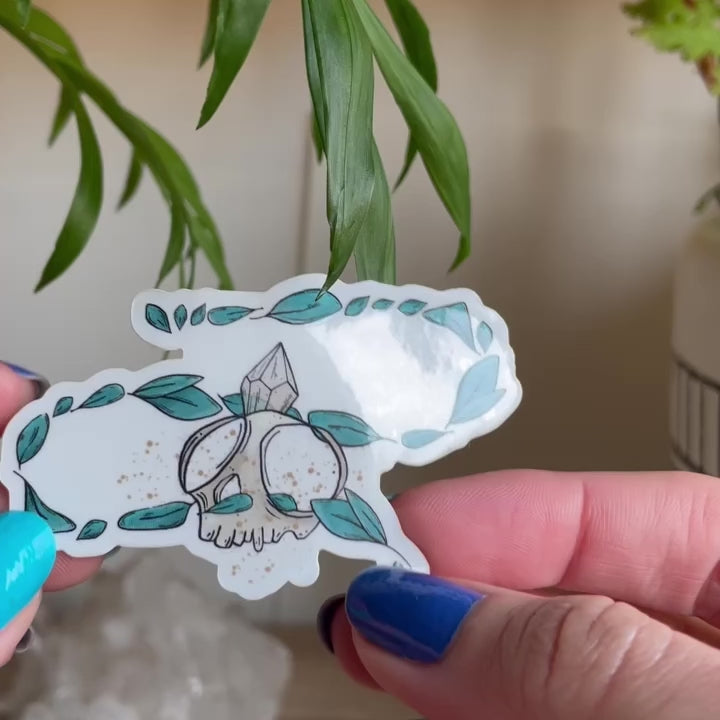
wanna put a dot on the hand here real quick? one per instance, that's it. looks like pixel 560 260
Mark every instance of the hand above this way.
pixel 505 640
pixel 27 546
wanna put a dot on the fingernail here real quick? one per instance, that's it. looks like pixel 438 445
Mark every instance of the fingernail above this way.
pixel 391 496
pixel 325 618
pixel 39 382
pixel 26 642
pixel 27 555
pixel 412 616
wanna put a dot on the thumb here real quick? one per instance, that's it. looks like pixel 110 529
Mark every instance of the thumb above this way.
pixel 454 653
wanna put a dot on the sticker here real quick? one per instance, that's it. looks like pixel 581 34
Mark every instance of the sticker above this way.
pixel 265 443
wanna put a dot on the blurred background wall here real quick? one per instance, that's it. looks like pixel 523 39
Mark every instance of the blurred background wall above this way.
pixel 587 152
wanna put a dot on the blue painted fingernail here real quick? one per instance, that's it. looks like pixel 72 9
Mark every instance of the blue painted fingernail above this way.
pixel 325 618
pixel 40 383
pixel 27 555
pixel 409 615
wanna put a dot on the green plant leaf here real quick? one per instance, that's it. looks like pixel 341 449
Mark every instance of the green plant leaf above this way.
pixel 338 518
pixel 181 316
pixel 176 242
pixel 86 204
pixel 166 385
pixel 375 248
pixel 234 403
pixel 415 38
pixel 23 9
pixel 313 76
pixel 63 405
pixel 345 73
pixel 58 522
pixel 348 430
pixel 157 317
pixel 477 392
pixel 208 42
pixel 431 125
pixel 198 315
pixel 190 403
pixel 63 112
pixel 356 306
pixel 367 516
pixel 283 502
pixel 161 517
pixel 237 25
pixel 414 439
pixel 305 306
pixel 317 138
pixel 32 438
pixel 92 529
pixel 106 395
pixel 132 182
pixel 233 504
pixel 454 317
pixel 226 315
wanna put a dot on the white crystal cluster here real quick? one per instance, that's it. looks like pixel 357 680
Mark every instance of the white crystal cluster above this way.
pixel 143 643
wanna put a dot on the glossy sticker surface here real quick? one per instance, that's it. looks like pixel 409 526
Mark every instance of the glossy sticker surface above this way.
pixel 265 443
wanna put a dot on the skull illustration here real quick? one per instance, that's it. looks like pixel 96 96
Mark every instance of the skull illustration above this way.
pixel 254 477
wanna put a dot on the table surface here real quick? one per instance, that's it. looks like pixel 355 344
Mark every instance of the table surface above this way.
pixel 319 690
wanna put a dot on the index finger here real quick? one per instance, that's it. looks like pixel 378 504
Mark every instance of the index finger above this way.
pixel 651 539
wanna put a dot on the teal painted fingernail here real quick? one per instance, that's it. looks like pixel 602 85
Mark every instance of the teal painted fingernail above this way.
pixel 27 555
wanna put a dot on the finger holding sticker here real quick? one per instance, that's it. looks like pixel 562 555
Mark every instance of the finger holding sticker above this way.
pixel 27 545
pixel 265 443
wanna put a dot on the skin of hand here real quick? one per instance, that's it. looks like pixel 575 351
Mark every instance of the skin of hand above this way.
pixel 552 597
pixel 28 561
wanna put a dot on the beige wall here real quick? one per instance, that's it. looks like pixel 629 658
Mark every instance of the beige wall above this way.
pixel 587 152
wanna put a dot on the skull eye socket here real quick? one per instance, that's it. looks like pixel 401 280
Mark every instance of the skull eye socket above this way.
pixel 297 461
pixel 208 452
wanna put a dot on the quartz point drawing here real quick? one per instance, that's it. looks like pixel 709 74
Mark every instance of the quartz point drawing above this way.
pixel 270 385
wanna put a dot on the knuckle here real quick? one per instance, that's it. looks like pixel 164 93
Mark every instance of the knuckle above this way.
pixel 568 650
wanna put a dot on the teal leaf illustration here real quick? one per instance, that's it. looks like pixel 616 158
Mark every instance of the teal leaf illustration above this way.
pixel 415 439
pixel 382 304
pixel 166 385
pixel 227 315
pixel 190 403
pixel 233 504
pixel 367 516
pixel 283 502
pixel 58 523
pixel 198 315
pixel 356 306
pixel 180 316
pixel 106 395
pixel 235 404
pixel 338 517
pixel 157 317
pixel 31 438
pixel 62 406
pixel 411 307
pixel 348 430
pixel 305 306
pixel 161 517
pixel 294 412
pixel 477 391
pixel 484 336
pixel 92 529
pixel 456 318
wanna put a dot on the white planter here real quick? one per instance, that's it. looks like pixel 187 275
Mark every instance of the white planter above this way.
pixel 695 383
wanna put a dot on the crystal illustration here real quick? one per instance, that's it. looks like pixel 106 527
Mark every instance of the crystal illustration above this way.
pixel 270 385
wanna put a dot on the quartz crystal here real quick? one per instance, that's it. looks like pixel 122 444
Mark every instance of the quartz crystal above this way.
pixel 144 643
pixel 270 385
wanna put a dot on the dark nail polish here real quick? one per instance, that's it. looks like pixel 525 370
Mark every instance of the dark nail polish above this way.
pixel 391 496
pixel 407 614
pixel 325 618
pixel 40 383
pixel 26 641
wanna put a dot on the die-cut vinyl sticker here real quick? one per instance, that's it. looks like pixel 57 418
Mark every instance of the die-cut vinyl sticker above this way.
pixel 266 441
